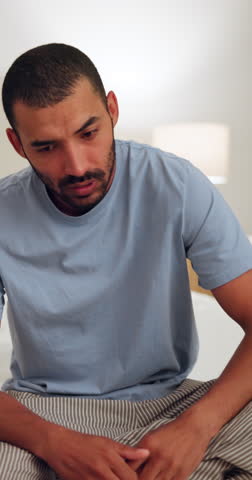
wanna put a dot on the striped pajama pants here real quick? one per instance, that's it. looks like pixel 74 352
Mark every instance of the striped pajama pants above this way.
pixel 229 454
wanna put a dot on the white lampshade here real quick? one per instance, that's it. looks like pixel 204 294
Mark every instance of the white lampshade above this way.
pixel 206 145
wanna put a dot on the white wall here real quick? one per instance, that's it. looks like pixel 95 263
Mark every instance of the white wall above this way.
pixel 168 60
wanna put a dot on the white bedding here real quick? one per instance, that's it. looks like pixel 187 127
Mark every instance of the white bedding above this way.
pixel 5 348
pixel 219 336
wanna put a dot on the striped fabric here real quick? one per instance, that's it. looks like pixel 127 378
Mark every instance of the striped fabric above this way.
pixel 229 455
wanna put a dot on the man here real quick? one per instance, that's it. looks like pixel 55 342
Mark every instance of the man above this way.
pixel 93 259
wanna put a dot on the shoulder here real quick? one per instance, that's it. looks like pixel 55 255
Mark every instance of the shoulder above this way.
pixel 153 163
pixel 14 191
pixel 15 181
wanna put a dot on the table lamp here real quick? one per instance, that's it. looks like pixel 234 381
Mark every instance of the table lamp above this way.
pixel 205 144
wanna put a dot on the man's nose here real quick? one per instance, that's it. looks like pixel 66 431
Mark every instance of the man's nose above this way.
pixel 74 162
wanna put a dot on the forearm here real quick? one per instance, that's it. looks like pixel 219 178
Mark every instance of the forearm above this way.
pixel 21 427
pixel 229 394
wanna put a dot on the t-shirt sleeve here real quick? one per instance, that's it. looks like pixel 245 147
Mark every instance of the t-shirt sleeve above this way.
pixel 214 240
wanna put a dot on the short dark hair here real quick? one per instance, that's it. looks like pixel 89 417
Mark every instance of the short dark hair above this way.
pixel 47 74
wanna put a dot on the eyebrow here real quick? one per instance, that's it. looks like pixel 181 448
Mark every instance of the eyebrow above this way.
pixel 89 122
pixel 41 143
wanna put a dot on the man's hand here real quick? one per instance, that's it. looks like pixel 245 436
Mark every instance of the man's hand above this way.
pixel 176 450
pixel 76 456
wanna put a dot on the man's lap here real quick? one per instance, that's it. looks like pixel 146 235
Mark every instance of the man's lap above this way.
pixel 127 422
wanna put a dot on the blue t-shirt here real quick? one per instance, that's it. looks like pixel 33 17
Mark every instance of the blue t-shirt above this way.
pixel 99 305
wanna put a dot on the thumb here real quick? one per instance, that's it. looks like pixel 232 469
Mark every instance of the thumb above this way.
pixel 133 453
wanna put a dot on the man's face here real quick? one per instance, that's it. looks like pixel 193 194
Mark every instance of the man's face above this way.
pixel 70 145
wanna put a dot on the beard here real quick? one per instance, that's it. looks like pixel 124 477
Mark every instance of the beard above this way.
pixel 76 206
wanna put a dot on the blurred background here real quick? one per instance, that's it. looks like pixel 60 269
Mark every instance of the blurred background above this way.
pixel 168 61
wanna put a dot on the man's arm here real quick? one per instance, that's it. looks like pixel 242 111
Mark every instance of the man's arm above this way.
pixel 69 453
pixel 21 427
pixel 196 426
pixel 233 389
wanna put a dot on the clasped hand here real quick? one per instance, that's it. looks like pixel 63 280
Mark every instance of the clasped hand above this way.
pixel 176 450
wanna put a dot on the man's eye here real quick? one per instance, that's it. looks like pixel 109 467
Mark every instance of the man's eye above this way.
pixel 48 148
pixel 89 134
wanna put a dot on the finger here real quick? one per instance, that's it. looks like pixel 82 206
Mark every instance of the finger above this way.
pixel 123 470
pixel 135 464
pixel 150 471
pixel 164 475
pixel 132 453
pixel 109 474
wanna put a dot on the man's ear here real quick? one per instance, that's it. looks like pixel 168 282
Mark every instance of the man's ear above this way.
pixel 15 142
pixel 113 108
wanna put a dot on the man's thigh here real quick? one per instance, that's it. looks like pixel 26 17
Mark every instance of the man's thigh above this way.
pixel 19 464
pixel 229 454
pixel 232 445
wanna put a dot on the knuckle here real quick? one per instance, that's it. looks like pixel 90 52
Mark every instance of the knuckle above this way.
pixel 148 442
pixel 101 473
pixel 177 470
pixel 161 455
pixel 110 458
pixel 131 475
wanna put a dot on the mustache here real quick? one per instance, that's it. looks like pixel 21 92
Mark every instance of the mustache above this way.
pixel 96 174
